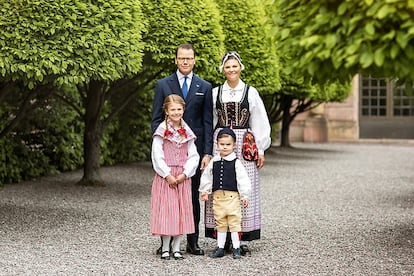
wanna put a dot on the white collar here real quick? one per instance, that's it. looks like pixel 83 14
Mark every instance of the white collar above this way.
pixel 239 86
pixel 229 157
pixel 181 76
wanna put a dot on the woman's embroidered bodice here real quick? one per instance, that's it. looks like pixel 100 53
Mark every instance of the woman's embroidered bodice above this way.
pixel 233 114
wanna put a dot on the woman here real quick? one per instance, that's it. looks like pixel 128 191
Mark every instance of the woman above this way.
pixel 241 109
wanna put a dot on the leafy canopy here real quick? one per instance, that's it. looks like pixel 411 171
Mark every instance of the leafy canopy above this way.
pixel 171 23
pixel 69 41
pixel 247 30
pixel 329 39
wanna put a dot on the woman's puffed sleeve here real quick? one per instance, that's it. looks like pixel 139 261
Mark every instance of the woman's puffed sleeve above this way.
pixel 259 122
pixel 243 180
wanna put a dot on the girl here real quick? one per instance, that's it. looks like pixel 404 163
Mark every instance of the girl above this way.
pixel 175 160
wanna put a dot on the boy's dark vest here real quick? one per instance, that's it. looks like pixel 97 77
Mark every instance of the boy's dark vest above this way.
pixel 224 175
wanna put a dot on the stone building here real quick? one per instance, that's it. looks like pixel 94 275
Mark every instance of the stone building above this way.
pixel 376 109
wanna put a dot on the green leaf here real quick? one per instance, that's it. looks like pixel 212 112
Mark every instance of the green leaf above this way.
pixel 343 7
pixel 379 57
pixel 402 39
pixel 369 28
pixel 366 59
pixel 385 11
pixel 395 49
pixel 351 60
pixel 351 49
pixel 388 36
pixel 330 40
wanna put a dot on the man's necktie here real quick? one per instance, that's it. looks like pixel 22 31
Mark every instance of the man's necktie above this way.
pixel 184 88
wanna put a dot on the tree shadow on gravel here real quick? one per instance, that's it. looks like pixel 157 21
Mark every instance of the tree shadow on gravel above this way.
pixel 406 200
pixel 397 241
pixel 121 181
pixel 277 155
pixel 39 219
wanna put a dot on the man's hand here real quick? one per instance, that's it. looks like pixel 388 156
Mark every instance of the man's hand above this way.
pixel 245 202
pixel 204 196
pixel 204 162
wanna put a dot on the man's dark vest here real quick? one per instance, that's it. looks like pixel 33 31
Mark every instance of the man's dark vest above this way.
pixel 224 175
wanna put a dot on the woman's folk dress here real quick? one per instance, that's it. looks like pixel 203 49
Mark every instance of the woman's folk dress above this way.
pixel 241 110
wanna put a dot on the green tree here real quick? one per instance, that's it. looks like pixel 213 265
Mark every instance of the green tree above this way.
pixel 247 30
pixel 297 95
pixel 300 90
pixel 338 39
pixel 48 140
pixel 78 43
pixel 170 23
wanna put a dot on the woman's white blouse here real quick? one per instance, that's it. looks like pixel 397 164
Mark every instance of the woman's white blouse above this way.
pixel 258 122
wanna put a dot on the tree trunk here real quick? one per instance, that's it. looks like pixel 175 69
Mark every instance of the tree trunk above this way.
pixel 93 135
pixel 286 120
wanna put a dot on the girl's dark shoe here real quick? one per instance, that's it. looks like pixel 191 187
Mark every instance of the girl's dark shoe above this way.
pixel 217 253
pixel 245 250
pixel 177 255
pixel 165 255
pixel 236 253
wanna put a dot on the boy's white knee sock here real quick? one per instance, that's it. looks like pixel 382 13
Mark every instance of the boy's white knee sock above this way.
pixel 235 239
pixel 221 239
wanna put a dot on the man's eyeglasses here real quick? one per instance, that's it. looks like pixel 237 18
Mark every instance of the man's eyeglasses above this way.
pixel 183 59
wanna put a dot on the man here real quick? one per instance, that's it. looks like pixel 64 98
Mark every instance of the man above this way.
pixel 198 115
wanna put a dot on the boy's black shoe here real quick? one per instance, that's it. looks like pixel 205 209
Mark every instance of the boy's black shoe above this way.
pixel 236 253
pixel 217 253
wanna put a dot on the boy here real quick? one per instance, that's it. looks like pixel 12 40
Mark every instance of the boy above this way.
pixel 227 179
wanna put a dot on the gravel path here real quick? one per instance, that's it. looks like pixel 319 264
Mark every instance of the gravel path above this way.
pixel 329 209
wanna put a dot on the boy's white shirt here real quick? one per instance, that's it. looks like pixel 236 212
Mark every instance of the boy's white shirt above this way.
pixel 242 178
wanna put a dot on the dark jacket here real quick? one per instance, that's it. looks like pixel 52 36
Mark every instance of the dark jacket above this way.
pixel 198 112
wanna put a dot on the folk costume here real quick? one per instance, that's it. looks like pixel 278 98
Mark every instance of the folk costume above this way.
pixel 173 152
pixel 241 109
pixel 227 180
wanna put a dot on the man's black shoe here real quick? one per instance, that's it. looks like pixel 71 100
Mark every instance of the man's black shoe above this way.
pixel 228 247
pixel 244 250
pixel 194 249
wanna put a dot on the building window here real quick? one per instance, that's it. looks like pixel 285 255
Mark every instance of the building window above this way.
pixel 403 104
pixel 381 97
